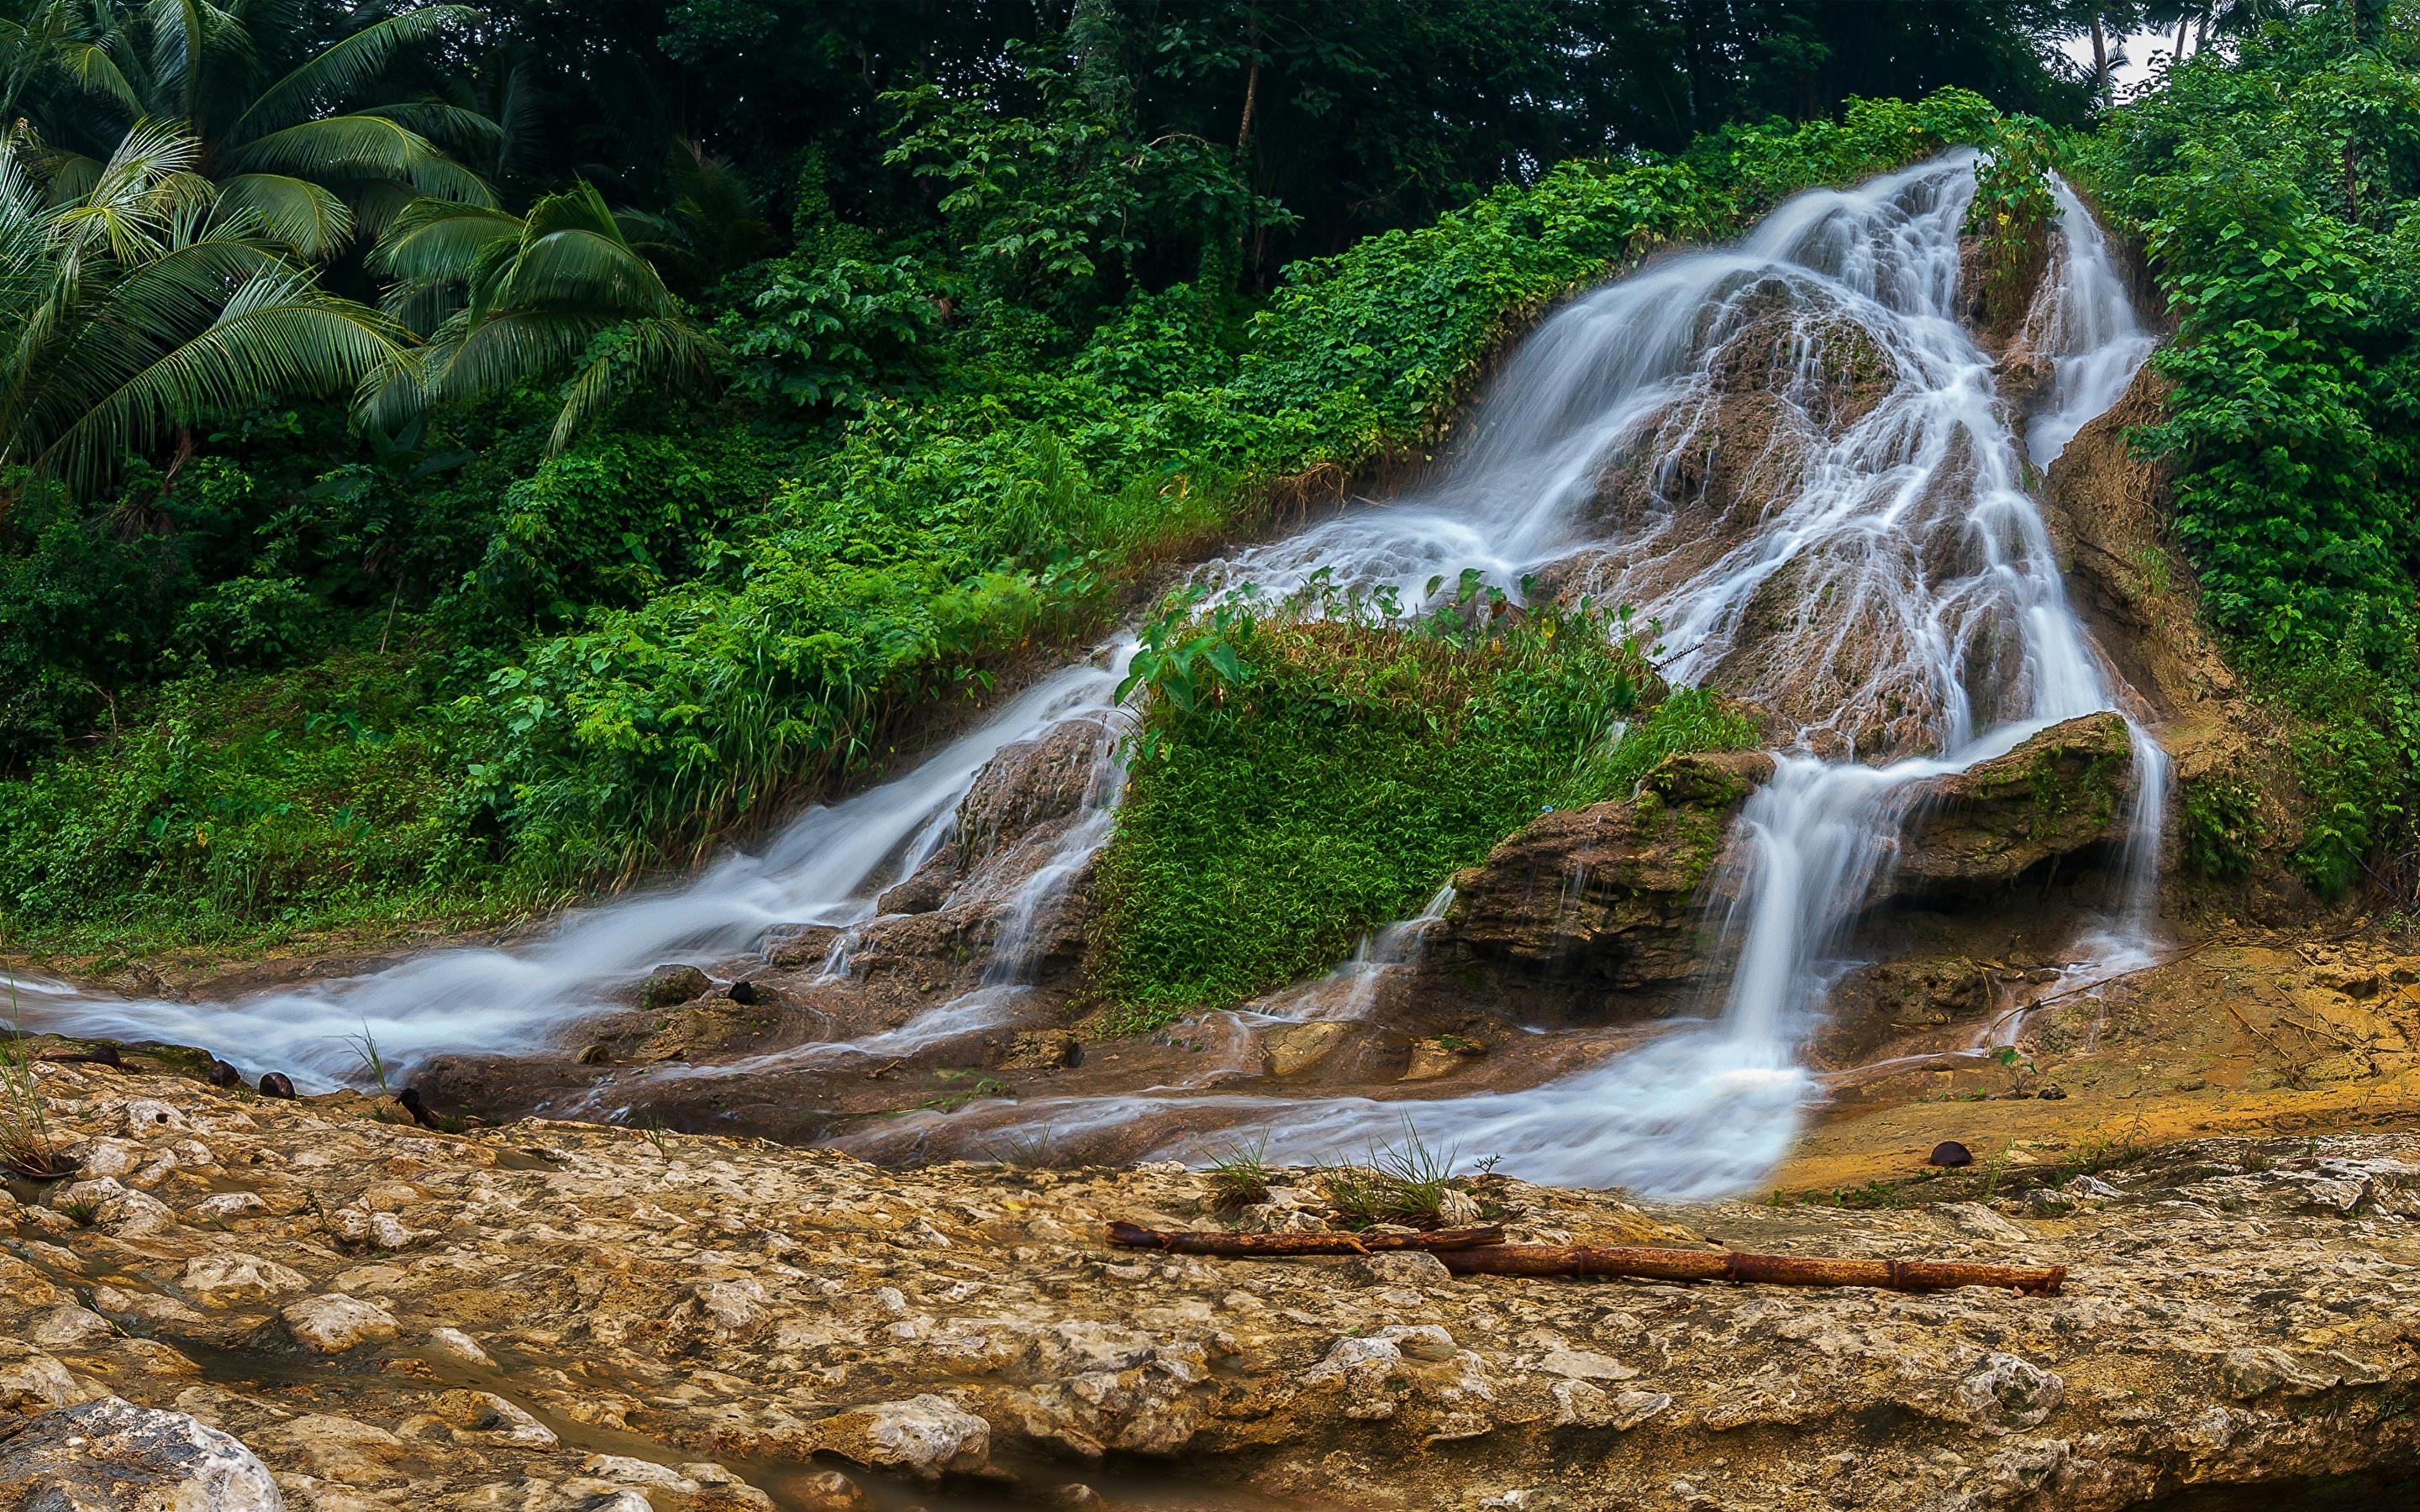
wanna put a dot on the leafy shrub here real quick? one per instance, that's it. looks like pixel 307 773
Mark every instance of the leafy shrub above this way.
pixel 1298 781
pixel 828 335
pixel 2010 216
pixel 2274 194
pixel 238 805
pixel 252 623
pixel 2221 829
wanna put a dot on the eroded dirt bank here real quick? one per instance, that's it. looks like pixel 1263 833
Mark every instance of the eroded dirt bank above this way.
pixel 546 1316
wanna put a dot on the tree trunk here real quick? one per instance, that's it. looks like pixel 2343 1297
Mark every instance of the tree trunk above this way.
pixel 2099 63
pixel 1738 1265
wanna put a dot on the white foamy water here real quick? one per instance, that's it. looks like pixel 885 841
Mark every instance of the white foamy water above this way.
pixel 1889 588
pixel 824 868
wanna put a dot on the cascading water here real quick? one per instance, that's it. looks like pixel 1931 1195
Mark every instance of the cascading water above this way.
pixel 1885 581
pixel 823 868
pixel 1788 453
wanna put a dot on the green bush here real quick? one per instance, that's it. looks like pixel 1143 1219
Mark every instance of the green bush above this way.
pixel 252 623
pixel 240 806
pixel 1298 782
pixel 2275 194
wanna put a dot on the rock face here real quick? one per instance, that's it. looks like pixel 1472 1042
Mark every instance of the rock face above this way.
pixel 1611 892
pixel 1978 830
pixel 111 1456
pixel 675 1315
pixel 1030 784
pixel 668 986
pixel 2109 509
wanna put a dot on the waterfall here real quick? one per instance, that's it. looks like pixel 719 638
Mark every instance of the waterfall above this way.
pixel 1924 624
pixel 1789 454
pixel 824 868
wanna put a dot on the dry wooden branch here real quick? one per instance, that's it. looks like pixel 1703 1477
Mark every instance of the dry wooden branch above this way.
pixel 1484 1252
pixel 1738 1265
pixel 1277 1246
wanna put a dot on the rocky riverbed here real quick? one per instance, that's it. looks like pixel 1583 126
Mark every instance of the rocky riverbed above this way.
pixel 319 1296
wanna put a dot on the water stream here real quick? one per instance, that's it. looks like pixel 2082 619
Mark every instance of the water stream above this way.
pixel 1790 453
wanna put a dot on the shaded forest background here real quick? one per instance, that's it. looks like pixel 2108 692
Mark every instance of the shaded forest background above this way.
pixel 451 458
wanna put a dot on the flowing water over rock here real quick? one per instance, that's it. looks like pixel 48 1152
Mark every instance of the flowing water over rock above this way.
pixel 1790 453
pixel 1795 458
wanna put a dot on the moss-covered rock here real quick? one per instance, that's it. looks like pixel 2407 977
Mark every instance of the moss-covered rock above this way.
pixel 1612 892
pixel 2060 792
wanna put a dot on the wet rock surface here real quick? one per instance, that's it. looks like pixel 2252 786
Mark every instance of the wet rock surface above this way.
pixel 1980 830
pixel 589 1318
pixel 110 1454
pixel 1611 893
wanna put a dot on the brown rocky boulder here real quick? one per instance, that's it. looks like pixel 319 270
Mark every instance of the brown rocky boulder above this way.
pixel 1612 892
pixel 1977 831
pixel 1029 785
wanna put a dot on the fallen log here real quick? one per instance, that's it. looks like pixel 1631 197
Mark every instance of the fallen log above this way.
pixel 1277 1246
pixel 1739 1265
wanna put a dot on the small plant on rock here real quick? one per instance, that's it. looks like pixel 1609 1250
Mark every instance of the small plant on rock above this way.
pixel 1241 1176
pixel 373 1061
pixel 27 1145
pixel 1404 1183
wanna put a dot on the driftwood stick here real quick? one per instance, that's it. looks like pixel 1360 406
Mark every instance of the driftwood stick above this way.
pixel 1738 1265
pixel 1277 1246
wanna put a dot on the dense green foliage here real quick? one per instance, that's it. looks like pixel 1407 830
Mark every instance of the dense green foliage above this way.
pixel 1298 781
pixel 2275 193
pixel 450 457
pixel 602 659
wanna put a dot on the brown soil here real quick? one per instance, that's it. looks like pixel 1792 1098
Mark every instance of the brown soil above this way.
pixel 2253 1035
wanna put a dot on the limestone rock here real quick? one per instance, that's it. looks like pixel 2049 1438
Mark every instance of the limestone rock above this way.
pixel 1299 1046
pixel 1978 830
pixel 1612 892
pixel 1044 1050
pixel 484 1417
pixel 925 1435
pixel 111 1456
pixel 1440 1056
pixel 31 1380
pixel 919 894
pixel 1398 1268
pixel 229 1277
pixel 1029 783
pixel 334 1322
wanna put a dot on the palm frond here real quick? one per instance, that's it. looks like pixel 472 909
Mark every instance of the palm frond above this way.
pixel 458 127
pixel 277 334
pixel 338 146
pixel 435 239
pixel 504 350
pixel 296 211
pixel 338 71
pixel 657 356
pixel 90 68
pixel 584 268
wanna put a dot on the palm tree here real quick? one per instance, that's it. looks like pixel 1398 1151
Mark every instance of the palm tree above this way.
pixel 145 301
pixel 277 112
pixel 509 299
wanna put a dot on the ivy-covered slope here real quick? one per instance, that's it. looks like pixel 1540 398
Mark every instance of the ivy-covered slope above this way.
pixel 678 622
pixel 2275 195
